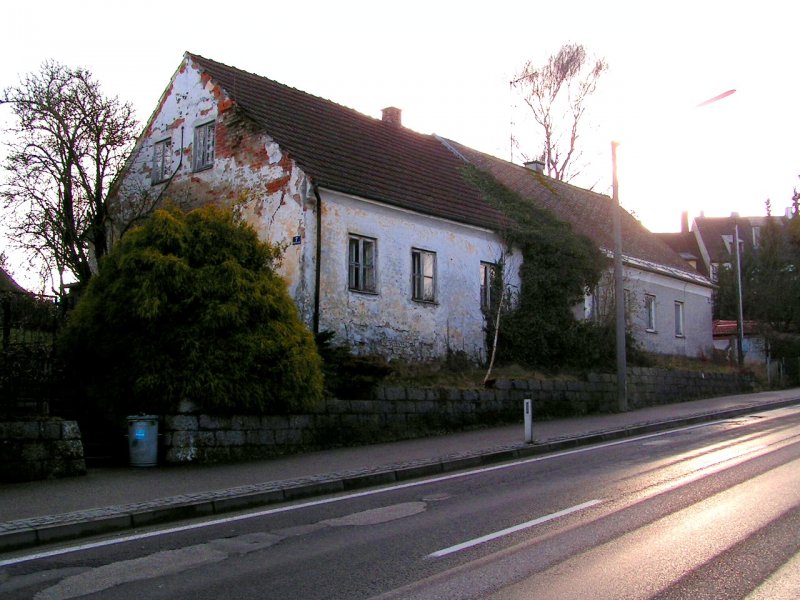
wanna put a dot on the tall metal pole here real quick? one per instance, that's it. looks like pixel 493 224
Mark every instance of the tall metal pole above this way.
pixel 739 310
pixel 619 289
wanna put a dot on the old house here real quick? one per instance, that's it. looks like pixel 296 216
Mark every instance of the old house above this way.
pixel 385 241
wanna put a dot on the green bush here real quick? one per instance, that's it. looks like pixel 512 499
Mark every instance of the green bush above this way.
pixel 188 307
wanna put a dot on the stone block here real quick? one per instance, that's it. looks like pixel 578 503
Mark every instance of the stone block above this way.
pixel 246 422
pixel 300 421
pixel 231 437
pixel 28 430
pixel 416 394
pixel 70 430
pixel 335 405
pixel 214 422
pixel 275 422
pixel 50 430
pixel 34 451
pixel 181 423
pixel 503 384
pixel 260 437
pixel 68 449
pixel 395 393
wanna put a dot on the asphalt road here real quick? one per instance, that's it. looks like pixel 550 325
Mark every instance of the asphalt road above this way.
pixel 710 511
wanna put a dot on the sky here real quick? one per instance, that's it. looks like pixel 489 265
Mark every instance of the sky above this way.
pixel 448 64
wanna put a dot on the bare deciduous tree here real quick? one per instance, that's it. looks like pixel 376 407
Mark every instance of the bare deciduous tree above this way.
pixel 556 94
pixel 65 147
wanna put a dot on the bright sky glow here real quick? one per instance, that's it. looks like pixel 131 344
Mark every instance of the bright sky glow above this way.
pixel 447 65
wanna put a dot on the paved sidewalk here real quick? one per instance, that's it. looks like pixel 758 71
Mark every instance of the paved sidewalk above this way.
pixel 109 500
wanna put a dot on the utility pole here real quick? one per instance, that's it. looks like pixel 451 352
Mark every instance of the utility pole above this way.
pixel 619 289
pixel 739 310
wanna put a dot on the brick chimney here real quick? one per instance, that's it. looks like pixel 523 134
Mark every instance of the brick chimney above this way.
pixel 392 116
pixel 685 221
pixel 535 165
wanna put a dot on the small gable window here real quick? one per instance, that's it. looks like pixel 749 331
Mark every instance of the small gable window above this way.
pixel 361 264
pixel 203 149
pixel 423 275
pixel 162 154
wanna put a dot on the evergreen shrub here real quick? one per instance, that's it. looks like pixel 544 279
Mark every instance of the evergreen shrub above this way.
pixel 189 307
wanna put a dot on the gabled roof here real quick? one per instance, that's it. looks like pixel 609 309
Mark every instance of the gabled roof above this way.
pixel 714 231
pixel 684 243
pixel 346 151
pixel 7 283
pixel 589 213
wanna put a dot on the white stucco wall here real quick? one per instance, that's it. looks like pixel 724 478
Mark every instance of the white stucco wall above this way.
pixel 389 321
pixel 697 339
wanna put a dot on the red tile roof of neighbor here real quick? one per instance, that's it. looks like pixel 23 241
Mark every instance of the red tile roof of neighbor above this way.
pixel 346 151
pixel 728 328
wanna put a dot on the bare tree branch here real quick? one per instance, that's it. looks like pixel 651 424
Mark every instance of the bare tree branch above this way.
pixel 67 144
pixel 557 95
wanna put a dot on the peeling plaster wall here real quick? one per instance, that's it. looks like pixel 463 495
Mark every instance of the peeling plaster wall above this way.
pixel 390 322
pixel 249 172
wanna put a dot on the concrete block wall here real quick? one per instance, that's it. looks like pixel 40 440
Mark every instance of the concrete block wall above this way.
pixel 405 412
pixel 40 448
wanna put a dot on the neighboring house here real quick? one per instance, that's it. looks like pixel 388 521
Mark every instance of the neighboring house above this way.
pixel 385 242
pixel 753 342
pixel 7 283
pixel 686 245
pixel 709 246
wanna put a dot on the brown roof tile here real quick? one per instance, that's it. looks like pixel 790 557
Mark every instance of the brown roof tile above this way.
pixel 344 150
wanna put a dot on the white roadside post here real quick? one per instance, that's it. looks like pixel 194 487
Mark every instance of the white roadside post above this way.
pixel 528 421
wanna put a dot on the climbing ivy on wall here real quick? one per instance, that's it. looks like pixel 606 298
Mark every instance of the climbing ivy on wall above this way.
pixel 538 327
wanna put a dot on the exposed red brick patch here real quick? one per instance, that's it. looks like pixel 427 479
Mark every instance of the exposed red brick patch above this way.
pixel 224 105
pixel 277 184
pixel 176 123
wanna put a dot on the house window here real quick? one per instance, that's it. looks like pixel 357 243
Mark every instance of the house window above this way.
pixel 361 264
pixel 488 274
pixel 650 311
pixel 423 275
pixel 678 319
pixel 756 236
pixel 161 161
pixel 204 140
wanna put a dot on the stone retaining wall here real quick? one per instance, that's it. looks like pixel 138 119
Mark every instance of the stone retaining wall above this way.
pixel 399 413
pixel 40 448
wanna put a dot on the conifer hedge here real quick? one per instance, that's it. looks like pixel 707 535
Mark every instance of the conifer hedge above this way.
pixel 189 307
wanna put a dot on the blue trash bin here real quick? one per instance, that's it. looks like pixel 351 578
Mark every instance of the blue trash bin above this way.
pixel 143 440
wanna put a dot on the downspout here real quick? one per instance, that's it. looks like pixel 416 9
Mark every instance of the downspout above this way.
pixel 318 261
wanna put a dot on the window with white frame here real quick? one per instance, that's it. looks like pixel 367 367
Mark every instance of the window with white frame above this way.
pixel 423 275
pixel 362 254
pixel 678 319
pixel 162 161
pixel 203 147
pixel 488 275
pixel 650 312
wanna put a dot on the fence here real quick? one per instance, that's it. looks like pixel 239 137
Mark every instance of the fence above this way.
pixel 29 324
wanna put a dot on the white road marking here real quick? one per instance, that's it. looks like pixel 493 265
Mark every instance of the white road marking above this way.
pixel 514 529
pixel 330 500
